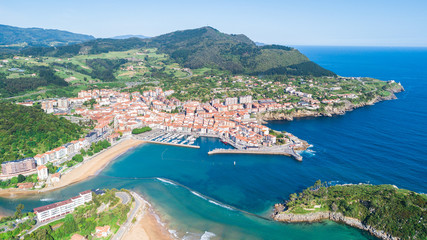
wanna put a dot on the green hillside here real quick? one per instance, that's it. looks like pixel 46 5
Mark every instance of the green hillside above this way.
pixel 26 131
pixel 21 37
pixel 399 212
pixel 203 47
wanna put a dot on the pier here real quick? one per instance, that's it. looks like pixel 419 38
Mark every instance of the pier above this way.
pixel 173 144
pixel 168 138
pixel 266 151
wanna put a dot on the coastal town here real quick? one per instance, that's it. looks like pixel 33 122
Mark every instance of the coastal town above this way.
pixel 115 114
pixel 134 115
pixel 92 126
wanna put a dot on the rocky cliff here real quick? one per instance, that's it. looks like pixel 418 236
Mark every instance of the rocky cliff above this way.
pixel 281 216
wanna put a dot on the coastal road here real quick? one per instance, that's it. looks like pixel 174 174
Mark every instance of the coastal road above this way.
pixel 123 196
pixel 125 227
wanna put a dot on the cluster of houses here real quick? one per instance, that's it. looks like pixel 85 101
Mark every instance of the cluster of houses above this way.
pixel 118 113
pixel 229 118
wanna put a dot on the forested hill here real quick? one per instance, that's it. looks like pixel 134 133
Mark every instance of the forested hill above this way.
pixel 398 212
pixel 15 36
pixel 204 47
pixel 26 131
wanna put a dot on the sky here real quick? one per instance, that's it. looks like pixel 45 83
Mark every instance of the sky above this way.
pixel 297 22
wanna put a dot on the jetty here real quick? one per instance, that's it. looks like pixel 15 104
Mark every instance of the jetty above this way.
pixel 263 151
pixel 173 144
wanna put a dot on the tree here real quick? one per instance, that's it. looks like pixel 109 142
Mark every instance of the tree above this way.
pixel 70 225
pixel 21 178
pixel 78 158
pixel 14 180
pixel 18 212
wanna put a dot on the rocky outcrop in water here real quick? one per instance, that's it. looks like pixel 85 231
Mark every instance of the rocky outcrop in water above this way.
pixel 279 215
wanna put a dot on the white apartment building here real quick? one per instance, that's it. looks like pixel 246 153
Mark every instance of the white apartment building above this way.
pixel 54 210
pixel 42 172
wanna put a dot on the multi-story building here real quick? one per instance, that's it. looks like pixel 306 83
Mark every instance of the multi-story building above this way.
pixel 18 166
pixel 63 104
pixel 54 210
pixel 245 99
pixel 231 101
pixel 215 101
pixel 42 173
pixel 47 106
pixel 41 159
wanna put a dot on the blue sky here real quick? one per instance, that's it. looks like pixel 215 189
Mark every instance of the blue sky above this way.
pixel 297 22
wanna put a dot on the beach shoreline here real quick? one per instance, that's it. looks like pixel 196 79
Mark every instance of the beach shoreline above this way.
pixel 147 226
pixel 88 169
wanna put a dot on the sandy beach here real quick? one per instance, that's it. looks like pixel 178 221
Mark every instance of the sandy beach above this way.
pixel 80 173
pixel 146 227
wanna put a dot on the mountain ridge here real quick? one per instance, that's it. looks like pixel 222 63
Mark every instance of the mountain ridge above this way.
pixel 203 47
pixel 129 36
pixel 15 36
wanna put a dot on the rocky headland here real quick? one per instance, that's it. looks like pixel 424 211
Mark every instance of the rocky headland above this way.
pixel 377 209
pixel 279 215
pixel 328 110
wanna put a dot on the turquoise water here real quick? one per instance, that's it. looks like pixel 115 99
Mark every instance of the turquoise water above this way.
pixel 194 192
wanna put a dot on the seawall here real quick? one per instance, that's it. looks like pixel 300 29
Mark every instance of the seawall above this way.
pixel 259 152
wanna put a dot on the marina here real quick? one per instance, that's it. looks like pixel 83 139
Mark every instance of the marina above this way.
pixel 168 138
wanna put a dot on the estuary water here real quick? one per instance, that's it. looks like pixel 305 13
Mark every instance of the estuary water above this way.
pixel 210 197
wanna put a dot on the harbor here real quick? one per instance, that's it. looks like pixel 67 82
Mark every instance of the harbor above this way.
pixel 169 138
pixel 181 139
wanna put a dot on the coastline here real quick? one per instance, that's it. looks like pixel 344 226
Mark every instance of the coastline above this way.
pixel 333 216
pixel 329 110
pixel 86 170
pixel 146 225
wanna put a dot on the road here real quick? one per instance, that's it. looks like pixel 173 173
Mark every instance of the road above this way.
pixel 125 227
pixel 123 196
pixel 40 224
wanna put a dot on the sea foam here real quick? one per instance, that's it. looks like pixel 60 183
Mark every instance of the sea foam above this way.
pixel 166 181
pixel 221 205
pixel 198 194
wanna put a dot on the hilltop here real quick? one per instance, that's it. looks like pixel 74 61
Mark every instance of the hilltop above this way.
pixel 203 47
pixel 129 36
pixel 21 37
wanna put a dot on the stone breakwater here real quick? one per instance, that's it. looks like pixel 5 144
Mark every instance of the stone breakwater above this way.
pixel 289 153
pixel 279 215
pixel 329 110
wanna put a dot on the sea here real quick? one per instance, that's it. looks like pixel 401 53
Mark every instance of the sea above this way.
pixel 201 196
